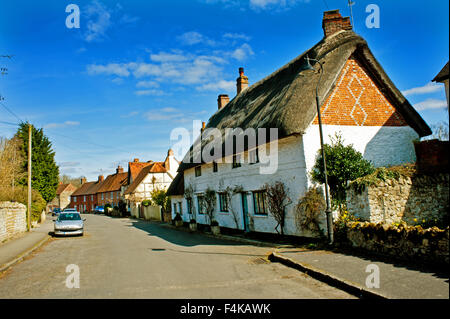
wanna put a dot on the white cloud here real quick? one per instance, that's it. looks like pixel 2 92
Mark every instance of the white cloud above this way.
pixel 98 19
pixel 243 52
pixel 109 69
pixel 167 57
pixel 428 88
pixel 430 104
pixel 236 36
pixel 59 125
pixel 147 84
pixel 149 92
pixel 258 5
pixel 221 85
pixel 193 37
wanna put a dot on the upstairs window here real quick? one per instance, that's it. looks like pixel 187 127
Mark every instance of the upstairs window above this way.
pixel 253 156
pixel 198 171
pixel 236 161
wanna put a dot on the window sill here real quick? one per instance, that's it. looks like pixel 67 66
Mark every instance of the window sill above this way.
pixel 260 215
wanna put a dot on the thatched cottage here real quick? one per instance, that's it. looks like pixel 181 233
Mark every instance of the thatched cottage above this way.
pixel 358 100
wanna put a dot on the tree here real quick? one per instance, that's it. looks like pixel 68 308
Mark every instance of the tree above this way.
pixel 159 197
pixel 66 179
pixel 344 164
pixel 210 200
pixel 277 199
pixel 11 160
pixel 44 171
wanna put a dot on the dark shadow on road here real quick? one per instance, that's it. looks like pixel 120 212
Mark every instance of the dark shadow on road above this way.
pixel 179 237
pixel 206 252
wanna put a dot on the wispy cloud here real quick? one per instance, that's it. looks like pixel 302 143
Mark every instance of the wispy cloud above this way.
pixel 193 37
pixel 59 125
pixel 98 18
pixel 221 85
pixel 258 5
pixel 243 52
pixel 109 69
pixel 430 87
pixel 149 92
pixel 430 104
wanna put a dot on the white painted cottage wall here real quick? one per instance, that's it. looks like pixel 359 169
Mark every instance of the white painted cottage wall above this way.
pixel 291 171
pixel 162 181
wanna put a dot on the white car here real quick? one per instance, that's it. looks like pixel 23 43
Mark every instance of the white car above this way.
pixel 69 223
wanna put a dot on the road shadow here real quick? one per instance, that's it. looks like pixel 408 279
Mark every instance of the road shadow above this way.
pixel 180 237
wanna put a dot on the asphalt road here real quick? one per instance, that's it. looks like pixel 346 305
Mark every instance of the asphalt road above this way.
pixel 126 258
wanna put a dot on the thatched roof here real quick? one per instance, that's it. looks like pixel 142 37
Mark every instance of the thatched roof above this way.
pixel 286 98
pixel 177 186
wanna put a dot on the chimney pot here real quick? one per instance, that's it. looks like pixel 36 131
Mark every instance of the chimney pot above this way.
pixel 203 127
pixel 222 100
pixel 101 178
pixel 83 180
pixel 333 22
pixel 119 169
pixel 136 160
pixel 241 81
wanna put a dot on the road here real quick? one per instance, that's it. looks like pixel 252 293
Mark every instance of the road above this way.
pixel 126 258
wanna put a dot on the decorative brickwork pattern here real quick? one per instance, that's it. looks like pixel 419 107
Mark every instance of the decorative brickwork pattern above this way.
pixel 357 101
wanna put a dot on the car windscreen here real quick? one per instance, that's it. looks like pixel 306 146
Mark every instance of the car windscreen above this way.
pixel 68 216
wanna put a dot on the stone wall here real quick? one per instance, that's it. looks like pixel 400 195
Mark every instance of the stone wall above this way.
pixel 13 220
pixel 422 197
pixel 402 242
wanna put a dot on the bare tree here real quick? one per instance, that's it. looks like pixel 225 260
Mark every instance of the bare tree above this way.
pixel 277 200
pixel 11 160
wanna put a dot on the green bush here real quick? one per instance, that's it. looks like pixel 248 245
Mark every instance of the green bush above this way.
pixel 344 164
pixel 146 202
pixel 20 195
pixel 214 223
pixel 309 209
pixel 177 217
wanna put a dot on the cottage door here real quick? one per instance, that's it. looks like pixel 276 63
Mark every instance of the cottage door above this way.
pixel 245 211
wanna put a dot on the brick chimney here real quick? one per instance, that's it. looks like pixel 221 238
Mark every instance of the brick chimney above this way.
pixel 222 100
pixel 241 81
pixel 119 169
pixel 333 22
pixel 83 180
pixel 101 178
pixel 203 127
pixel 136 160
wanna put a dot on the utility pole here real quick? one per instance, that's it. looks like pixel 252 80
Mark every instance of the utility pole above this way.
pixel 29 179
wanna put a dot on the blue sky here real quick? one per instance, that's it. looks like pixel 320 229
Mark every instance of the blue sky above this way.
pixel 114 89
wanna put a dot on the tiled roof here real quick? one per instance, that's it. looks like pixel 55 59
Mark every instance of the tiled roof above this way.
pixel 83 189
pixel 63 187
pixel 113 183
pixel 155 167
pixel 134 168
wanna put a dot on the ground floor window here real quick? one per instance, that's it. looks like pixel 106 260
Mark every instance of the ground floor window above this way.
pixel 259 202
pixel 201 204
pixel 189 205
pixel 223 202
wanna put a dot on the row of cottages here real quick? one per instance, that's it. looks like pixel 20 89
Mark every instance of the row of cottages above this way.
pixel 62 198
pixel 358 100
pixel 132 187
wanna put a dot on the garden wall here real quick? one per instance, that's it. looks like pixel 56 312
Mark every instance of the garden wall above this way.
pixel 402 242
pixel 410 199
pixel 13 220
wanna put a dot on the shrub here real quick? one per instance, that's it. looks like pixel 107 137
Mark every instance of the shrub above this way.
pixel 146 202
pixel 192 221
pixel 20 195
pixel 277 200
pixel 177 217
pixel 309 209
pixel 344 164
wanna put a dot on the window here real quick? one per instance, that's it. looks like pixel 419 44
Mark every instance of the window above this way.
pixel 84 198
pixel 180 209
pixel 254 156
pixel 103 196
pixel 215 167
pixel 112 195
pixel 92 197
pixel 175 208
pixel 189 205
pixel 201 204
pixel 236 161
pixel 198 171
pixel 74 199
pixel 75 206
pixel 223 202
pixel 259 202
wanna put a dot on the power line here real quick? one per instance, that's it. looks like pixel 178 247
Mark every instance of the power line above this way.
pixel 326 4
pixel 9 123
pixel 11 112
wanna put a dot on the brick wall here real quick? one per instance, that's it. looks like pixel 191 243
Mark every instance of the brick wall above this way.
pixel 13 220
pixel 357 101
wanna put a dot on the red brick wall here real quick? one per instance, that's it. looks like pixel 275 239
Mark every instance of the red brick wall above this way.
pixel 357 101
pixel 81 202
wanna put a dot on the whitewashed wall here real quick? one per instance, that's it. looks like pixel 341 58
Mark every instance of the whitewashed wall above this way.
pixel 384 146
pixel 162 181
pixel 291 171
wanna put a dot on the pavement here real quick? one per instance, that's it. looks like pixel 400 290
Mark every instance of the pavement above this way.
pixel 350 273
pixel 16 249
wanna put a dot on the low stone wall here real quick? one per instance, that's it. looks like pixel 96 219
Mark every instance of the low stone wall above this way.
pixel 402 242
pixel 13 220
pixel 409 199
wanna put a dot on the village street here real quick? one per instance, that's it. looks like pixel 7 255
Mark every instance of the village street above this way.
pixel 126 258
